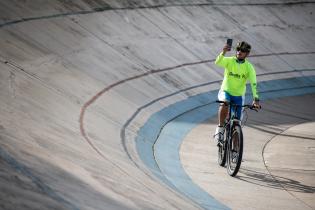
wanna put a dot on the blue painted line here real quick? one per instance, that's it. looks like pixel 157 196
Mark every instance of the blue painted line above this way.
pixel 158 141
pixel 167 155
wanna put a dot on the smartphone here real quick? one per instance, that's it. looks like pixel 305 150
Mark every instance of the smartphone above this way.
pixel 229 42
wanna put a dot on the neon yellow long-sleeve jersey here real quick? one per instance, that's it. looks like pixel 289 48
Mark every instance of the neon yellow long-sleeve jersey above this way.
pixel 236 76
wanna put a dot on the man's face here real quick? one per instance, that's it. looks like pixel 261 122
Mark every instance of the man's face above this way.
pixel 241 55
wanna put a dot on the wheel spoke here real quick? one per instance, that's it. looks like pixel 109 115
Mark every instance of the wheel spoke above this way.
pixel 235 151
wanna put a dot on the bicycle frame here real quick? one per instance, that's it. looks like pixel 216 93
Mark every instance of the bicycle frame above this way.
pixel 232 114
pixel 231 150
pixel 232 117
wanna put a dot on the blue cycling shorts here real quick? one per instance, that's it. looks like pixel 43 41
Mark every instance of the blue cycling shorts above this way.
pixel 239 100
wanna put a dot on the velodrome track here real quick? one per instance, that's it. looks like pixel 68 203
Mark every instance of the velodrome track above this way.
pixel 110 105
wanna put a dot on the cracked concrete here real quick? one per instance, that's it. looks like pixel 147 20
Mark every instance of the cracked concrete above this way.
pixel 79 79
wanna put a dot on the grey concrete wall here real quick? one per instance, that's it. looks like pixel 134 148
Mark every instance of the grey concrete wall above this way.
pixel 73 75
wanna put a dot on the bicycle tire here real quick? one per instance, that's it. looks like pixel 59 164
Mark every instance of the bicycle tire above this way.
pixel 222 149
pixel 234 160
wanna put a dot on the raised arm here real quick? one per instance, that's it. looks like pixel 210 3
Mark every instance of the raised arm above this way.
pixel 221 60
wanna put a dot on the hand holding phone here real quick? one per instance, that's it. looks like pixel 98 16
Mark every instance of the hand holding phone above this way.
pixel 228 45
pixel 229 42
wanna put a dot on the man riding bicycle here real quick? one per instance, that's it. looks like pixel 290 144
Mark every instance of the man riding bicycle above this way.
pixel 237 71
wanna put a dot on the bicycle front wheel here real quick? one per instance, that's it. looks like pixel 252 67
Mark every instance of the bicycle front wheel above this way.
pixel 235 150
pixel 222 149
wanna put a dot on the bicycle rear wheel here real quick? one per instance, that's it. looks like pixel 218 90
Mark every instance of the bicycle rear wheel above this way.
pixel 235 150
pixel 222 148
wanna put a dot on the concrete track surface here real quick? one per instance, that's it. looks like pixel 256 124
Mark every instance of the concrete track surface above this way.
pixel 109 104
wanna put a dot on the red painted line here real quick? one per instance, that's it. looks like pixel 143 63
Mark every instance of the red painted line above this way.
pixel 95 97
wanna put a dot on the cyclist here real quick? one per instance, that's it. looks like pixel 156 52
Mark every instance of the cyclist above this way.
pixel 237 71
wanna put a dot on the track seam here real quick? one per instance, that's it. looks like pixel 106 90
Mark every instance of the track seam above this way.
pixel 109 8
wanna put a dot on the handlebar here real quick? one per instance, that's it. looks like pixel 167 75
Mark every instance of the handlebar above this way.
pixel 250 106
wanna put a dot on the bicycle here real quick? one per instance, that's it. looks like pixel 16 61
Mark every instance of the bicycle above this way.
pixel 230 150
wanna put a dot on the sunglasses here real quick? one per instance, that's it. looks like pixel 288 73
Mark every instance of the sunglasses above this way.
pixel 242 50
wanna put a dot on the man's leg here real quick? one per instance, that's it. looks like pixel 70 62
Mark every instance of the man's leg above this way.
pixel 223 108
pixel 239 100
pixel 222 114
